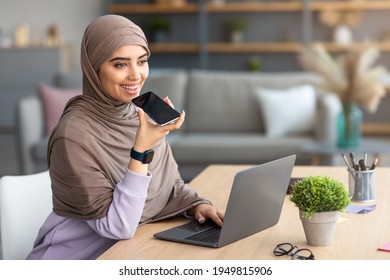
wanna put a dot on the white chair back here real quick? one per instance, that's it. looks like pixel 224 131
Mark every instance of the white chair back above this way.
pixel 25 203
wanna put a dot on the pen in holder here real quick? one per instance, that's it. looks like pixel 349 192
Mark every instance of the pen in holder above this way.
pixel 362 185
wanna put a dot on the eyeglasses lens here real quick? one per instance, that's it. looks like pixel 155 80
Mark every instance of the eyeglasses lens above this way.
pixel 283 249
pixel 302 254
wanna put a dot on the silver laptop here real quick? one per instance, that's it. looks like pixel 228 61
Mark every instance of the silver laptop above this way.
pixel 255 203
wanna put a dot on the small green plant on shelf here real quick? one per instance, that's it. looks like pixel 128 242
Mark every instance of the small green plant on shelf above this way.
pixel 319 194
pixel 158 27
pixel 254 63
pixel 236 28
pixel 236 24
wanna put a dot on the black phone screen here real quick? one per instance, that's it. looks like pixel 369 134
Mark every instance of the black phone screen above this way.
pixel 156 108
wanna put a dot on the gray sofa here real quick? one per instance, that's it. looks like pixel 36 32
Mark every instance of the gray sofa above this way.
pixel 224 120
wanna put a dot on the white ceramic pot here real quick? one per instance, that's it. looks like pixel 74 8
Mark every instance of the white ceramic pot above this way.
pixel 237 37
pixel 320 228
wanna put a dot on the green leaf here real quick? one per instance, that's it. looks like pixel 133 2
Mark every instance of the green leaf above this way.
pixel 319 193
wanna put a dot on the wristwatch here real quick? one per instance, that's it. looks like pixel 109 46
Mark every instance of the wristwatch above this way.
pixel 145 157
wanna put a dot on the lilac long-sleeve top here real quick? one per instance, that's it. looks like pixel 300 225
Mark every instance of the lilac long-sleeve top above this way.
pixel 70 238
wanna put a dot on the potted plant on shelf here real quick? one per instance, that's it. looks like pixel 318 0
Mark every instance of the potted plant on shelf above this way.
pixel 254 63
pixel 236 28
pixel 158 28
pixel 319 199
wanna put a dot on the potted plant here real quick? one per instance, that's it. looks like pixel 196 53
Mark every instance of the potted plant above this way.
pixel 254 63
pixel 319 199
pixel 236 28
pixel 158 28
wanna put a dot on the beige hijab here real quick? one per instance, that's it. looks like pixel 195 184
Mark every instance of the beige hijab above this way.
pixel 88 151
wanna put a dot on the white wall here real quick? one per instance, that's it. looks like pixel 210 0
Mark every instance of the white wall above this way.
pixel 71 17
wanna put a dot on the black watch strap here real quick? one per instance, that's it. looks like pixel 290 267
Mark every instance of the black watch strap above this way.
pixel 145 157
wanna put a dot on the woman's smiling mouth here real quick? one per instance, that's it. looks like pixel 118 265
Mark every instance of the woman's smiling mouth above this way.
pixel 130 89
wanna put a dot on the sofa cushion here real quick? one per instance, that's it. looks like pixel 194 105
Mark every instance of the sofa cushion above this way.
pixel 219 101
pixel 287 111
pixel 240 148
pixel 54 100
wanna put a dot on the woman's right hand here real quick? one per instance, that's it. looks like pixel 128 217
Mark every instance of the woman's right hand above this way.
pixel 149 134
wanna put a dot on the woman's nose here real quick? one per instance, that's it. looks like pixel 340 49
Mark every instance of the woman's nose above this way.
pixel 134 73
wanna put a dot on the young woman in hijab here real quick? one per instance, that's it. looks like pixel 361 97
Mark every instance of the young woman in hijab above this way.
pixel 102 189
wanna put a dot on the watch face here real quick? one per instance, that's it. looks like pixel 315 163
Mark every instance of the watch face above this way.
pixel 149 156
pixel 144 157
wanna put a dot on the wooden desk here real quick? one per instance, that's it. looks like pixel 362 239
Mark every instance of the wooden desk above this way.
pixel 358 237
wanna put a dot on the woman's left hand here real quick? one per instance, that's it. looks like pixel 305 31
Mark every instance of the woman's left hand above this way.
pixel 203 212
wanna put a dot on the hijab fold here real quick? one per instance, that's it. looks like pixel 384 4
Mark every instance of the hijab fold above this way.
pixel 88 151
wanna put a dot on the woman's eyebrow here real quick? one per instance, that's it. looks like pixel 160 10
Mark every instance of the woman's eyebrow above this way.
pixel 126 58
pixel 119 58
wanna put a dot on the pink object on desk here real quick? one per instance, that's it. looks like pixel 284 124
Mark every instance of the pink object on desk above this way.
pixel 385 247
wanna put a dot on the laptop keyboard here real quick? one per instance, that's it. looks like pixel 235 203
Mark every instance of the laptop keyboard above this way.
pixel 210 235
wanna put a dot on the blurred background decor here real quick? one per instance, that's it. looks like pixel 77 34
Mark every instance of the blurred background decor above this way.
pixel 171 2
pixel 236 28
pixel 158 28
pixel 254 63
pixel 22 35
pixel 342 22
pixel 52 36
pixel 357 81
pixel 217 2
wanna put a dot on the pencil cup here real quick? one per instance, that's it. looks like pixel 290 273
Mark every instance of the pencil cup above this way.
pixel 362 185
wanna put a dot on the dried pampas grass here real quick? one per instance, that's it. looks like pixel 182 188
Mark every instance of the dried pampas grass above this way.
pixel 353 76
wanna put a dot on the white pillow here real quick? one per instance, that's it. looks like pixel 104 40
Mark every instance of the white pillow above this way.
pixel 287 111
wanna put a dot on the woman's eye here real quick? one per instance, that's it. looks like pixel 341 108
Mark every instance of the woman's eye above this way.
pixel 142 62
pixel 120 65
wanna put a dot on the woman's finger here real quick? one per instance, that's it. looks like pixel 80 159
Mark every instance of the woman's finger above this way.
pixel 168 101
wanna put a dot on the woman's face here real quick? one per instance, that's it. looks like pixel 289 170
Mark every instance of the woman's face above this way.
pixel 125 72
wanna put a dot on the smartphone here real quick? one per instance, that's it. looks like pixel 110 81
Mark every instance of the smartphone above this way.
pixel 156 108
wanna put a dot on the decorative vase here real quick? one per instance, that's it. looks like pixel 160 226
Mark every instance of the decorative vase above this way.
pixel 349 122
pixel 159 36
pixel 319 229
pixel 342 34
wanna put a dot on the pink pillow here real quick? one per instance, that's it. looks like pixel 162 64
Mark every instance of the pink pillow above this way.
pixel 54 100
